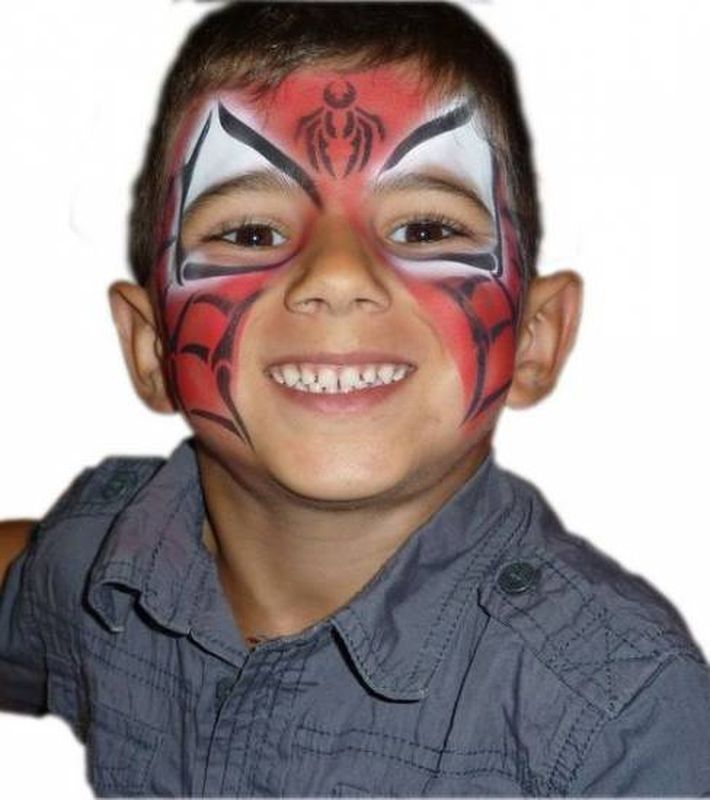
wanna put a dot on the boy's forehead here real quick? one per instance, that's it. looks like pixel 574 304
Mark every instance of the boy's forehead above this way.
pixel 333 126
pixel 402 94
pixel 390 95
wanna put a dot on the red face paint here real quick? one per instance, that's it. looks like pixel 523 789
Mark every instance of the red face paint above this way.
pixel 332 139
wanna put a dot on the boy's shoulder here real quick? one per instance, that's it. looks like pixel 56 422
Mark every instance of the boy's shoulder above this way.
pixel 68 538
pixel 605 633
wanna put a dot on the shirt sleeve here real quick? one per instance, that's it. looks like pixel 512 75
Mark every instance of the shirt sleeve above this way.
pixel 23 674
pixel 660 744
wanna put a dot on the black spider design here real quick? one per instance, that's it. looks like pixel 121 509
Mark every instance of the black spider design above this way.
pixel 339 118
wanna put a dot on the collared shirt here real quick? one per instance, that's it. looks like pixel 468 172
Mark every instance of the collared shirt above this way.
pixel 493 654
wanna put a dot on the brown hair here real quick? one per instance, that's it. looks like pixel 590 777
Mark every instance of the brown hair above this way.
pixel 258 44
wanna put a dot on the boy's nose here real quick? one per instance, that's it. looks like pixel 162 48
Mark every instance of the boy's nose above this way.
pixel 337 275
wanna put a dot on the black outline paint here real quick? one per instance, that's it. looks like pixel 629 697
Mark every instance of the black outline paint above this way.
pixel 358 128
pixel 240 131
pixel 448 122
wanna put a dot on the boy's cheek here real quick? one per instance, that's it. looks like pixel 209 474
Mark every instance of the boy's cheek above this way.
pixel 477 329
pixel 203 330
pixel 443 315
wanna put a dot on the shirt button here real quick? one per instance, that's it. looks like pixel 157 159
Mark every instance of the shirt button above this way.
pixel 518 577
pixel 117 485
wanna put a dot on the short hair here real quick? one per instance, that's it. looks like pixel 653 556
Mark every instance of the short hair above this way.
pixel 258 44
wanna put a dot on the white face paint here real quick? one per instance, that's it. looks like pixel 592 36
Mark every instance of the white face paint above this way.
pixel 220 158
pixel 464 155
pixel 464 152
pixel 227 144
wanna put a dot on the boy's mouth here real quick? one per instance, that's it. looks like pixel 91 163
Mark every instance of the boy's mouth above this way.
pixel 330 378
pixel 339 373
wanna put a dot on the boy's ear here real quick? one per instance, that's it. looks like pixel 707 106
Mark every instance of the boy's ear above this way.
pixel 142 348
pixel 549 326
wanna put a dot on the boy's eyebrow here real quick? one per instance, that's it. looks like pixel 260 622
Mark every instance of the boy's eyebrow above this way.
pixel 256 181
pixel 419 181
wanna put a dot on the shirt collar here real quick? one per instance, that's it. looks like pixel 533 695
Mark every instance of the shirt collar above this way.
pixel 154 554
pixel 396 630
pixel 399 627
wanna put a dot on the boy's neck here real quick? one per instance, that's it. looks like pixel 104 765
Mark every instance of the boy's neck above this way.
pixel 284 564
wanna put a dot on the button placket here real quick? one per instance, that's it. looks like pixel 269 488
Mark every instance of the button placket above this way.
pixel 223 689
pixel 237 699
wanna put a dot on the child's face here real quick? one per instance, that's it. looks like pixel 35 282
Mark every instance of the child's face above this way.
pixel 339 283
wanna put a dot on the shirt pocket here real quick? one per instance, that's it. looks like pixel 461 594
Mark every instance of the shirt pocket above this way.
pixel 121 751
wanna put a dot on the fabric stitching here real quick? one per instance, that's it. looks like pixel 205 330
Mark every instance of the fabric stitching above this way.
pixel 185 582
pixel 132 720
pixel 548 638
pixel 162 536
pixel 407 762
pixel 294 691
pixel 139 678
pixel 587 607
pixel 86 635
pixel 200 592
pixel 356 647
pixel 399 739
pixel 278 672
pixel 557 766
pixel 466 575
pixel 581 751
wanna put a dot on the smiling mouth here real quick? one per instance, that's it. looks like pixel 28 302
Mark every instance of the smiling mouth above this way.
pixel 337 378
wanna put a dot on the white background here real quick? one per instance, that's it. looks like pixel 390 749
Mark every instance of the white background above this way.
pixel 616 94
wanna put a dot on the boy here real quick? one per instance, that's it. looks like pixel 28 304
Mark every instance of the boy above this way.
pixel 366 228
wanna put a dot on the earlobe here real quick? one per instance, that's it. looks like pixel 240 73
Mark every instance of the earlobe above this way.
pixel 547 334
pixel 135 322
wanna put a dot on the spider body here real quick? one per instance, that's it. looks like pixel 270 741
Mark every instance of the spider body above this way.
pixel 339 123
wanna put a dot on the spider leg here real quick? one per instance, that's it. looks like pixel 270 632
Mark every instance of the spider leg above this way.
pixel 311 144
pixel 349 125
pixel 323 152
pixel 374 120
pixel 366 129
pixel 304 122
pixel 330 128
pixel 356 149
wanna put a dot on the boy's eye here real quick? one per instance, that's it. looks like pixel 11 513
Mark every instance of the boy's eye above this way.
pixel 423 231
pixel 253 236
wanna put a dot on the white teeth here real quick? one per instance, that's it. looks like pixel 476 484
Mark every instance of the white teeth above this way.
pixel 369 373
pixel 385 373
pixel 331 379
pixel 308 375
pixel 349 379
pixel 291 374
pixel 328 379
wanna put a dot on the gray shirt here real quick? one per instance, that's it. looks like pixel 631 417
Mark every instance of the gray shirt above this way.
pixel 493 654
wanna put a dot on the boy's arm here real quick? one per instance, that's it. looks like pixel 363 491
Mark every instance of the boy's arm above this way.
pixel 659 745
pixel 23 675
pixel 14 537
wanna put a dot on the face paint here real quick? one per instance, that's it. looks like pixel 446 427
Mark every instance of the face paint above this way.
pixel 352 145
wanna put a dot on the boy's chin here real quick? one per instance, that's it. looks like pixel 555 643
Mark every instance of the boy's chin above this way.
pixel 375 479
pixel 354 476
pixel 341 484
pixel 331 479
